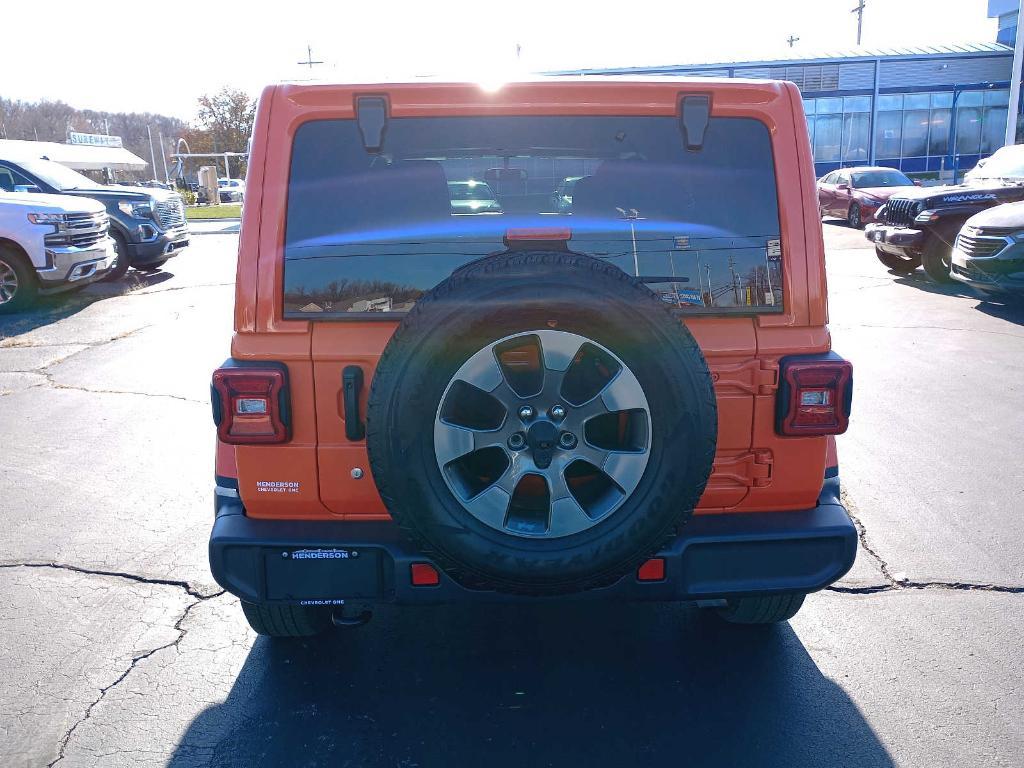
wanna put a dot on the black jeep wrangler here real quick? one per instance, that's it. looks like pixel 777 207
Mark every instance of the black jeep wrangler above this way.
pixel 920 227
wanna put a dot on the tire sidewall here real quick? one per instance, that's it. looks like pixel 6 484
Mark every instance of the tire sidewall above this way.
pixel 936 259
pixel 432 353
pixel 28 288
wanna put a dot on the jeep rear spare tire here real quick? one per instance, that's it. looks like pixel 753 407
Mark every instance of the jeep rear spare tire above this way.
pixel 541 423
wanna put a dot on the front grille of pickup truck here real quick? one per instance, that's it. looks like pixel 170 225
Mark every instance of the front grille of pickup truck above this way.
pixel 977 246
pixel 82 230
pixel 899 212
pixel 170 213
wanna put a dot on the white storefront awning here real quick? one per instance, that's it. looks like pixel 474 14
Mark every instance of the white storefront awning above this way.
pixel 81 158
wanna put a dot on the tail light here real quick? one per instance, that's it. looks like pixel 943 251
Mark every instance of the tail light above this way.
pixel 815 395
pixel 250 403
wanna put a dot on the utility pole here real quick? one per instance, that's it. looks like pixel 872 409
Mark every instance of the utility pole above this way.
pixel 309 58
pixel 163 155
pixel 792 40
pixel 859 10
pixel 152 154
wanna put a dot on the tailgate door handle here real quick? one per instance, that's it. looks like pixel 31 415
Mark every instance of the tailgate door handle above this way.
pixel 352 386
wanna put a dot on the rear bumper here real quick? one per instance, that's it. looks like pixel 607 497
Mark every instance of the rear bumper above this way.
pixel 716 557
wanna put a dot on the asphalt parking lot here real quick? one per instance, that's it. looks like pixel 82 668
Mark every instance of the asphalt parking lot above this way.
pixel 119 650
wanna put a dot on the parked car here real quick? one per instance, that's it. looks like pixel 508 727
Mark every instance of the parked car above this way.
pixel 989 250
pixel 231 190
pixel 48 244
pixel 148 225
pixel 918 227
pixel 856 194
pixel 543 422
pixel 472 197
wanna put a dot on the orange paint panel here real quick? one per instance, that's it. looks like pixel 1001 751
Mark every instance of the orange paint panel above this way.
pixel 340 492
pixel 735 418
pixel 224 460
pixel 279 481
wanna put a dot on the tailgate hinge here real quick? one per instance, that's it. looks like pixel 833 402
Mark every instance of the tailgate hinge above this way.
pixel 755 377
pixel 752 469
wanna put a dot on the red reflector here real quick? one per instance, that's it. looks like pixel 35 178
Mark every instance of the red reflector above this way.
pixel 815 397
pixel 424 575
pixel 247 405
pixel 538 233
pixel 652 570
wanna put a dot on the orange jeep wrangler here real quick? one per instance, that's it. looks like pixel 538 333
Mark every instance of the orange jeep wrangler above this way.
pixel 559 338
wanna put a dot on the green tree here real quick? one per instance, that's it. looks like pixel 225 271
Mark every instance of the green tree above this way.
pixel 225 119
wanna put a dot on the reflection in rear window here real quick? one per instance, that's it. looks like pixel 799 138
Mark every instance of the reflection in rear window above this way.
pixel 371 233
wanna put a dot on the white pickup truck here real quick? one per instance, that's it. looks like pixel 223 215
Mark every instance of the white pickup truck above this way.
pixel 50 243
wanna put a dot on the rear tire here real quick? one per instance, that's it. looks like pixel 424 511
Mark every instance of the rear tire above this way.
pixel 122 263
pixel 286 620
pixel 18 285
pixel 937 260
pixel 763 609
pixel 904 265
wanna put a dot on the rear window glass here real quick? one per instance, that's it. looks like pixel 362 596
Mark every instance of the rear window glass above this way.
pixel 370 233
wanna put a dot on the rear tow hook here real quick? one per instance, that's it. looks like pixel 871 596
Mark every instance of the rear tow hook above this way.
pixel 339 619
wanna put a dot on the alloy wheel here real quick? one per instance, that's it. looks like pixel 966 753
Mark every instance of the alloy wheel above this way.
pixel 543 434
pixel 8 282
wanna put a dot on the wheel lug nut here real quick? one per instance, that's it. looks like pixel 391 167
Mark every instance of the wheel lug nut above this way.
pixel 567 440
pixel 517 441
pixel 526 413
pixel 557 412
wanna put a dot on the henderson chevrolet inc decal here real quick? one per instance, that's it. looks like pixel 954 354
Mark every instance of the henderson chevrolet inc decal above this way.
pixel 275 486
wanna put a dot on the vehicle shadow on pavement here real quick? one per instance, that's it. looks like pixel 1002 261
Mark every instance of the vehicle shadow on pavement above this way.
pixel 1005 306
pixel 581 684
pixel 58 306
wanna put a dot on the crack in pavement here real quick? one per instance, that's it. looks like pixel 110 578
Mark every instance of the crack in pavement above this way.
pixel 927 328
pixel 898 582
pixel 188 587
pixel 57 385
pixel 178 626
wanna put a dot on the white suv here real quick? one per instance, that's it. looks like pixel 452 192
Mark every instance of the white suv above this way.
pixel 50 243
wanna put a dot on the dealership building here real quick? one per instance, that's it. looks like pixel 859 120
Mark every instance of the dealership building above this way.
pixel 891 107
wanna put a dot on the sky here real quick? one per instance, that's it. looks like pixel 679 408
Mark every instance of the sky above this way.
pixel 159 57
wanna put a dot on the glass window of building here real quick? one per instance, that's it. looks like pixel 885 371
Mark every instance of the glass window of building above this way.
pixel 857 104
pixel 942 100
pixel 888 133
pixel 916 101
pixel 829 106
pixel 993 129
pixel 855 136
pixel 888 102
pixel 938 131
pixel 968 129
pixel 828 136
pixel 915 131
